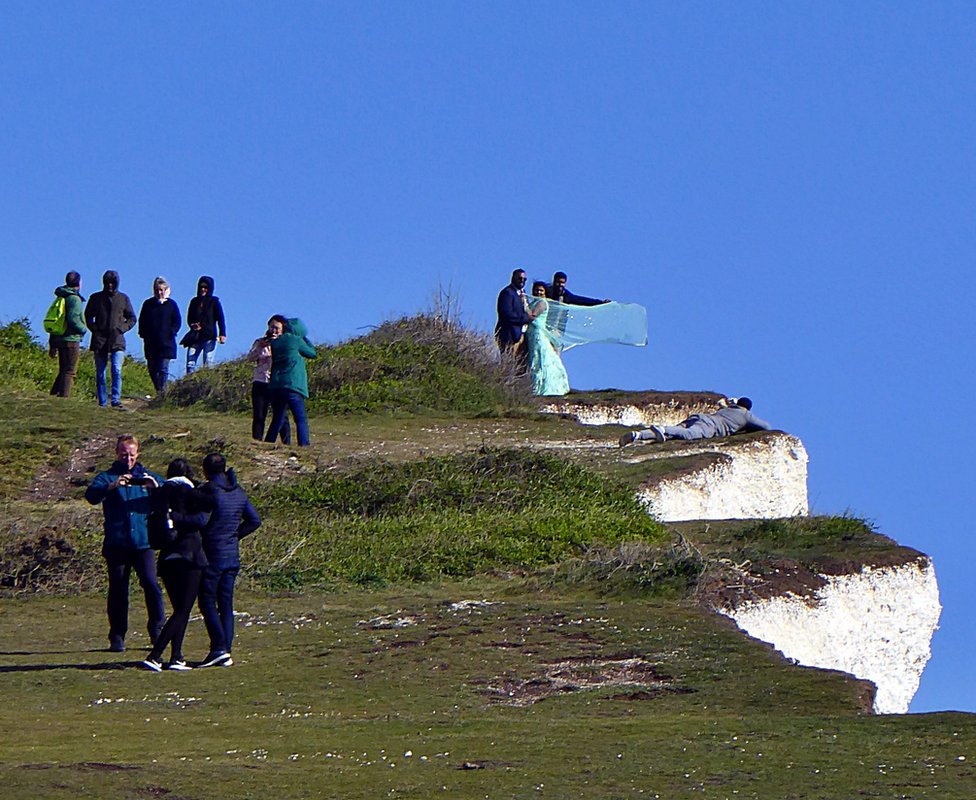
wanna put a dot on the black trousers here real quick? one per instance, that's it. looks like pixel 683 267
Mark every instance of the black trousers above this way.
pixel 260 403
pixel 182 582
pixel 120 562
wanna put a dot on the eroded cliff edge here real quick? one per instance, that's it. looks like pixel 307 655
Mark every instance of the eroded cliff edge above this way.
pixel 872 615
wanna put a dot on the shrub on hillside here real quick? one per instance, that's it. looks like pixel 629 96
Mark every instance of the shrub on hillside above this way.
pixel 420 363
pixel 25 366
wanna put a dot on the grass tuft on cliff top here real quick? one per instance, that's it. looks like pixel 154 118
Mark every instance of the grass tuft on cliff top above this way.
pixel 416 364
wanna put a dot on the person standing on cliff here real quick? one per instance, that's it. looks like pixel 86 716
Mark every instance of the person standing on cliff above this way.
pixel 109 316
pixel 123 492
pixel 513 317
pixel 736 417
pixel 205 316
pixel 67 346
pixel 557 291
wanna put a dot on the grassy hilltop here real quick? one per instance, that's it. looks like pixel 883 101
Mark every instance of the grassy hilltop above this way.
pixel 451 595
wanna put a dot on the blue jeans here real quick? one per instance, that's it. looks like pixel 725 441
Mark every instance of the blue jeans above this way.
pixel 216 603
pixel 101 362
pixel 283 401
pixel 193 353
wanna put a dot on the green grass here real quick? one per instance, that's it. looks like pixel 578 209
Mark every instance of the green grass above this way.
pixel 391 516
pixel 320 704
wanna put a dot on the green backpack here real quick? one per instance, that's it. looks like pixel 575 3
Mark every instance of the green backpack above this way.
pixel 56 319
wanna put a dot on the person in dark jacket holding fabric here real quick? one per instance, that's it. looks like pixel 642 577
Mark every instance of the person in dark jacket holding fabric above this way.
pixel 181 560
pixel 557 291
pixel 109 316
pixel 289 379
pixel 67 346
pixel 159 322
pixel 233 517
pixel 205 316
pixel 123 491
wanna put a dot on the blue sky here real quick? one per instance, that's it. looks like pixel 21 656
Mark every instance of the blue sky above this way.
pixel 787 187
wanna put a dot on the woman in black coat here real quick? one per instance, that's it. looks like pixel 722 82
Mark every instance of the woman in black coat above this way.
pixel 181 557
pixel 159 322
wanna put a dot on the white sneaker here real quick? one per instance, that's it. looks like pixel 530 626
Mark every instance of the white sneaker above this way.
pixel 179 665
pixel 153 664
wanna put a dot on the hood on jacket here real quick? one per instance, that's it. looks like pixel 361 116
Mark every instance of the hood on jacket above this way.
pixel 297 327
pixel 205 281
pixel 225 480
pixel 110 280
pixel 67 291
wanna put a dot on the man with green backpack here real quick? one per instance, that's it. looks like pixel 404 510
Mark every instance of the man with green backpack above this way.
pixel 65 322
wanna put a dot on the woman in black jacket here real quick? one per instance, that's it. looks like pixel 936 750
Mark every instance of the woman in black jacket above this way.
pixel 159 322
pixel 181 558
pixel 205 316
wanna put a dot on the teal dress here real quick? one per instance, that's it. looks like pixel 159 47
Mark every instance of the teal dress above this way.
pixel 546 367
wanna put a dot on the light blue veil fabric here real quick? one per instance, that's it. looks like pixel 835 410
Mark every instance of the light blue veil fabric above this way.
pixel 611 323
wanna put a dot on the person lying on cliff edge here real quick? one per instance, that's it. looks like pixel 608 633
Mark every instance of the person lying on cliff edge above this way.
pixel 735 417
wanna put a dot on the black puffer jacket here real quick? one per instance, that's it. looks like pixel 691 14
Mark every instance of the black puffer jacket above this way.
pixel 109 316
pixel 189 509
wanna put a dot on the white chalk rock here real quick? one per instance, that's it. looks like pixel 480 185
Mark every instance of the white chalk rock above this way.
pixel 753 478
pixel 876 625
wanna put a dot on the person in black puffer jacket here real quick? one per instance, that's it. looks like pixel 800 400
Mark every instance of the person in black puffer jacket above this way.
pixel 181 560
pixel 205 316
pixel 232 519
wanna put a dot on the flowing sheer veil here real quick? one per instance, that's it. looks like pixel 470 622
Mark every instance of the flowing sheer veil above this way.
pixel 610 323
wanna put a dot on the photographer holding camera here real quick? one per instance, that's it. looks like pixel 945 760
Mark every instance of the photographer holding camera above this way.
pixel 123 491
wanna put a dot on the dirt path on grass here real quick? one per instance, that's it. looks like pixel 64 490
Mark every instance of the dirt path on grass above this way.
pixel 58 481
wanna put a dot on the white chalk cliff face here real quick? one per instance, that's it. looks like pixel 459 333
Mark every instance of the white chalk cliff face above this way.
pixel 876 624
pixel 754 478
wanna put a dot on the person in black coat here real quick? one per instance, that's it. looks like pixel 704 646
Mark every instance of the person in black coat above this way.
pixel 109 316
pixel 232 519
pixel 159 322
pixel 205 316
pixel 181 558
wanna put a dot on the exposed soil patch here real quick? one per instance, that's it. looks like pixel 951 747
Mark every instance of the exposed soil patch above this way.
pixel 59 481
pixel 578 675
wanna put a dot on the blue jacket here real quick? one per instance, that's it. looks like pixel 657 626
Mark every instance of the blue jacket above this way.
pixel 512 317
pixel 125 508
pixel 233 517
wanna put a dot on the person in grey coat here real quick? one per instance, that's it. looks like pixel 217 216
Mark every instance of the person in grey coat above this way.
pixel 735 417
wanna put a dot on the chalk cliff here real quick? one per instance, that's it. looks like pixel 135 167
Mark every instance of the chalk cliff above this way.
pixel 875 621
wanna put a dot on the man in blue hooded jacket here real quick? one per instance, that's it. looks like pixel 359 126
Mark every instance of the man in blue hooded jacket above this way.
pixel 233 517
pixel 123 491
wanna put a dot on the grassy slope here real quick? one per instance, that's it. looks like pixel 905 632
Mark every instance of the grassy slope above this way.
pixel 320 704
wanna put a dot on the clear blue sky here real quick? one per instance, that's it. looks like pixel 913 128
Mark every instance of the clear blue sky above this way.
pixel 787 187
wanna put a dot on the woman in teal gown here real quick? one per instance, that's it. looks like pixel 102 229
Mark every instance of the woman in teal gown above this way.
pixel 546 367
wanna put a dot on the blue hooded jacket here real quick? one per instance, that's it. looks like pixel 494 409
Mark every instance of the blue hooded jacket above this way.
pixel 125 508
